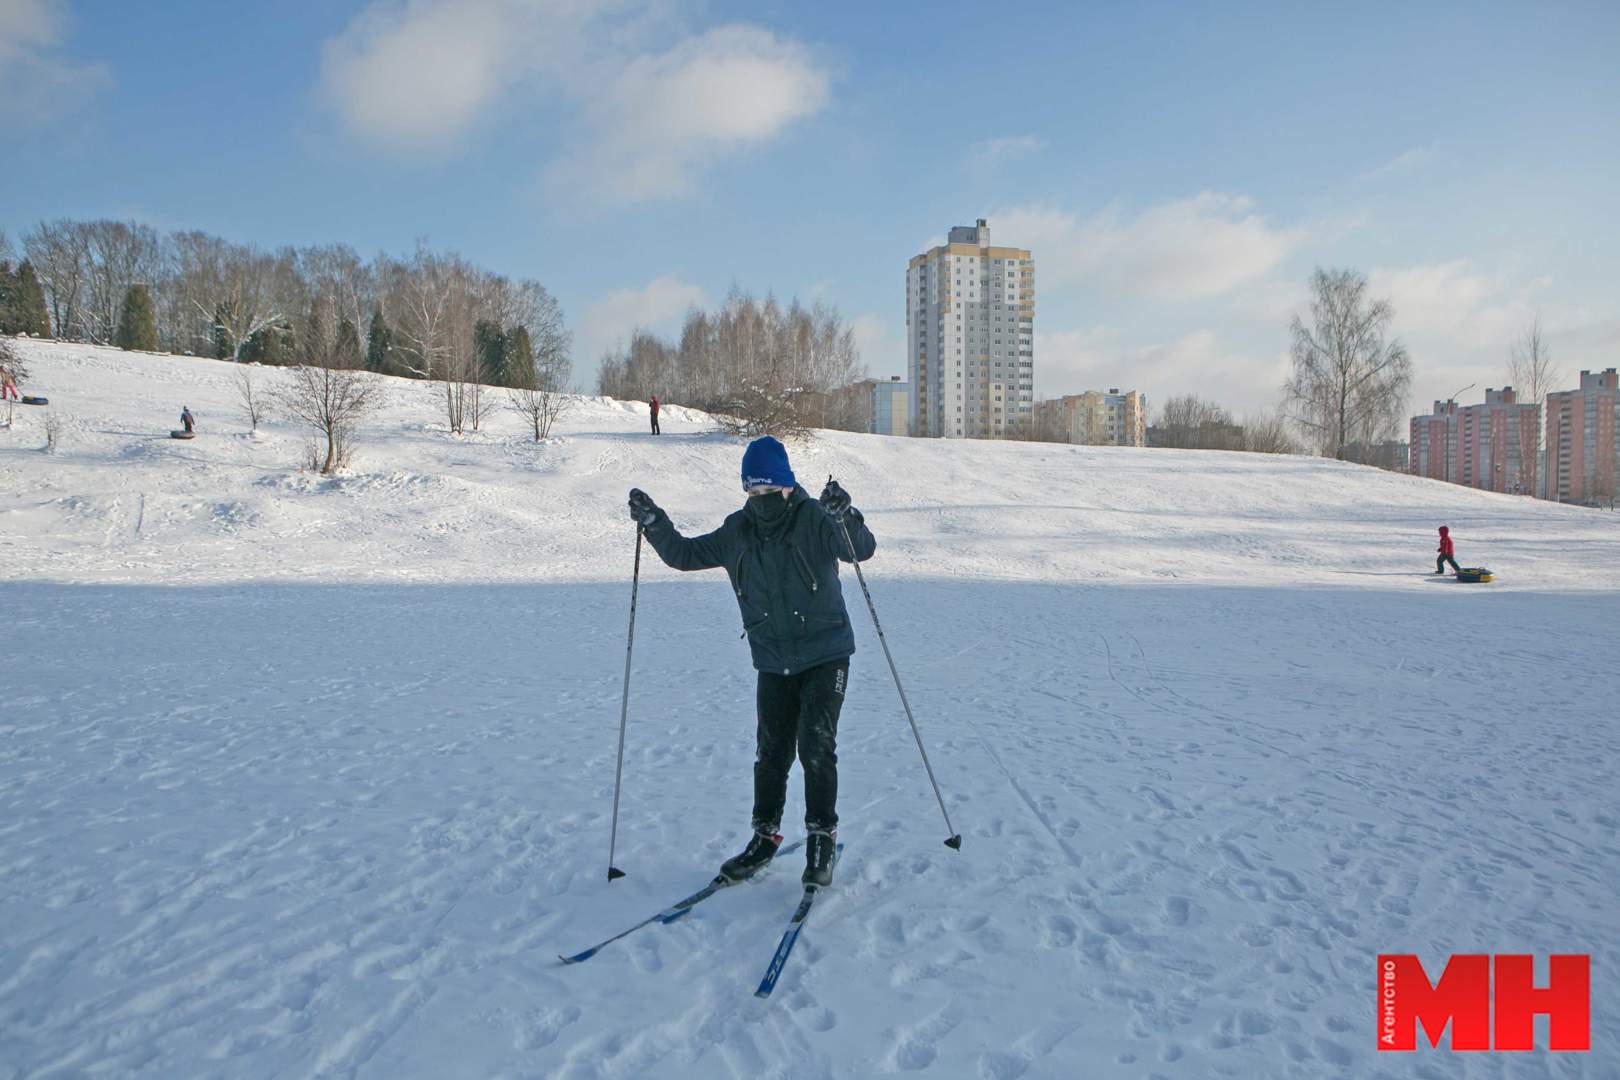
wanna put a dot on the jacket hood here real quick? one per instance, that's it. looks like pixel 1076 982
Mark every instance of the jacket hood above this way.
pixel 1445 530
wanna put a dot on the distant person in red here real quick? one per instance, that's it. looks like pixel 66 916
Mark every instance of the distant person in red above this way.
pixel 8 384
pixel 654 404
pixel 187 419
pixel 1447 552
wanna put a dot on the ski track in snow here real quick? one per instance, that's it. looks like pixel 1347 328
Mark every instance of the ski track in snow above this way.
pixel 306 777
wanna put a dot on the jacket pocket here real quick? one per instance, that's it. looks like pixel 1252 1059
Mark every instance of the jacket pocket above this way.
pixel 804 569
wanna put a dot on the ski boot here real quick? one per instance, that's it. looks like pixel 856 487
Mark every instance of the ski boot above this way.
pixel 820 849
pixel 752 859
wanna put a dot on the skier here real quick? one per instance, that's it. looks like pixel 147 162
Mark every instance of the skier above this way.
pixel 8 384
pixel 781 552
pixel 187 419
pixel 1447 552
pixel 654 404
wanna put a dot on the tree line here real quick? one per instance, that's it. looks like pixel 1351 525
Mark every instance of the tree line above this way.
pixel 428 315
pixel 755 365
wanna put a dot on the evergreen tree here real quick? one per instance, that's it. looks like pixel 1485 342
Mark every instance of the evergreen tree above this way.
pixel 8 299
pixel 137 323
pixel 489 343
pixel 313 339
pixel 347 346
pixel 28 306
pixel 519 359
pixel 224 340
pixel 379 345
pixel 272 346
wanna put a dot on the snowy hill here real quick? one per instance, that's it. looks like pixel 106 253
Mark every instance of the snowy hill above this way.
pixel 313 777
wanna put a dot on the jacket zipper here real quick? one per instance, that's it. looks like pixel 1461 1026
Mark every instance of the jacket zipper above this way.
pixel 804 569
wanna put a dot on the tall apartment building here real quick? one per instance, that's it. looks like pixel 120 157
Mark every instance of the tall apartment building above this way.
pixel 1489 446
pixel 1095 419
pixel 1432 442
pixel 970 326
pixel 1583 457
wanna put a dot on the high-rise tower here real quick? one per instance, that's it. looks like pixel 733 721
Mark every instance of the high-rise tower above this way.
pixel 970 329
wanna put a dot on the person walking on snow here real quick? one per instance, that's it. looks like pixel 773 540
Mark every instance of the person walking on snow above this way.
pixel 654 404
pixel 8 384
pixel 781 552
pixel 187 419
pixel 1447 552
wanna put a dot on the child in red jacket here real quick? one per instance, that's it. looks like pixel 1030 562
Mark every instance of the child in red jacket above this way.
pixel 1447 552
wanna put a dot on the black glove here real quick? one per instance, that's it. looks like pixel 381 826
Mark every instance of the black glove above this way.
pixel 643 511
pixel 834 499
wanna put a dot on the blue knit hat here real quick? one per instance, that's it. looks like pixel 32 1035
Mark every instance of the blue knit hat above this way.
pixel 766 462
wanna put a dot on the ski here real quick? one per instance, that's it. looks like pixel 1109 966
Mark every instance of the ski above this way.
pixel 791 934
pixel 671 913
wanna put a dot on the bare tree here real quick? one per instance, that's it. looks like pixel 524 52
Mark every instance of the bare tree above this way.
pixel 758 367
pixel 253 402
pixel 1267 433
pixel 1532 375
pixel 122 253
pixel 12 370
pixel 329 398
pixel 541 376
pixel 1189 422
pixel 11 359
pixel 1350 380
pixel 60 253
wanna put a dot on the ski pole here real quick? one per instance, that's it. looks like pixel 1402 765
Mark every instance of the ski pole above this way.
pixel 624 711
pixel 954 841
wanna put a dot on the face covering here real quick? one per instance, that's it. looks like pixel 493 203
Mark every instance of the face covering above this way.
pixel 768 508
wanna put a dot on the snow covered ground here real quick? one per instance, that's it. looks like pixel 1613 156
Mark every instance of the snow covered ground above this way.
pixel 305 777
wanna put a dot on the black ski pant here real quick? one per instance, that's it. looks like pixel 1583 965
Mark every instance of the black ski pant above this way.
pixel 798 715
pixel 1440 564
pixel 655 430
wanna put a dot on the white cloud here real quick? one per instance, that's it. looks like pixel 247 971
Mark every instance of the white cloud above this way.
pixel 1459 321
pixel 38 83
pixel 657 306
pixel 1455 301
pixel 414 75
pixel 1200 362
pixel 418 75
pixel 1006 148
pixel 1188 249
pixel 654 126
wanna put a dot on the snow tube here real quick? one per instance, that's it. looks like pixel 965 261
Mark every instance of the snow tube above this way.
pixel 182 434
pixel 36 401
pixel 1473 574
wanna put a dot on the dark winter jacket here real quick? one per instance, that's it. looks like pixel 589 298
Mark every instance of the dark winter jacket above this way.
pixel 1445 542
pixel 785 575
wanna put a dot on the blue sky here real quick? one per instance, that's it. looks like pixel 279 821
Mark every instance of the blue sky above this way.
pixel 1176 169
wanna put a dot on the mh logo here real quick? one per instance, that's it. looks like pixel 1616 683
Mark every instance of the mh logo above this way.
pixel 1463 998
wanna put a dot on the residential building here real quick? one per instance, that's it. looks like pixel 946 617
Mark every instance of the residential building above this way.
pixel 1489 446
pixel 1583 457
pixel 1432 442
pixel 970 322
pixel 1094 418
pixel 891 407
pixel 1496 444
